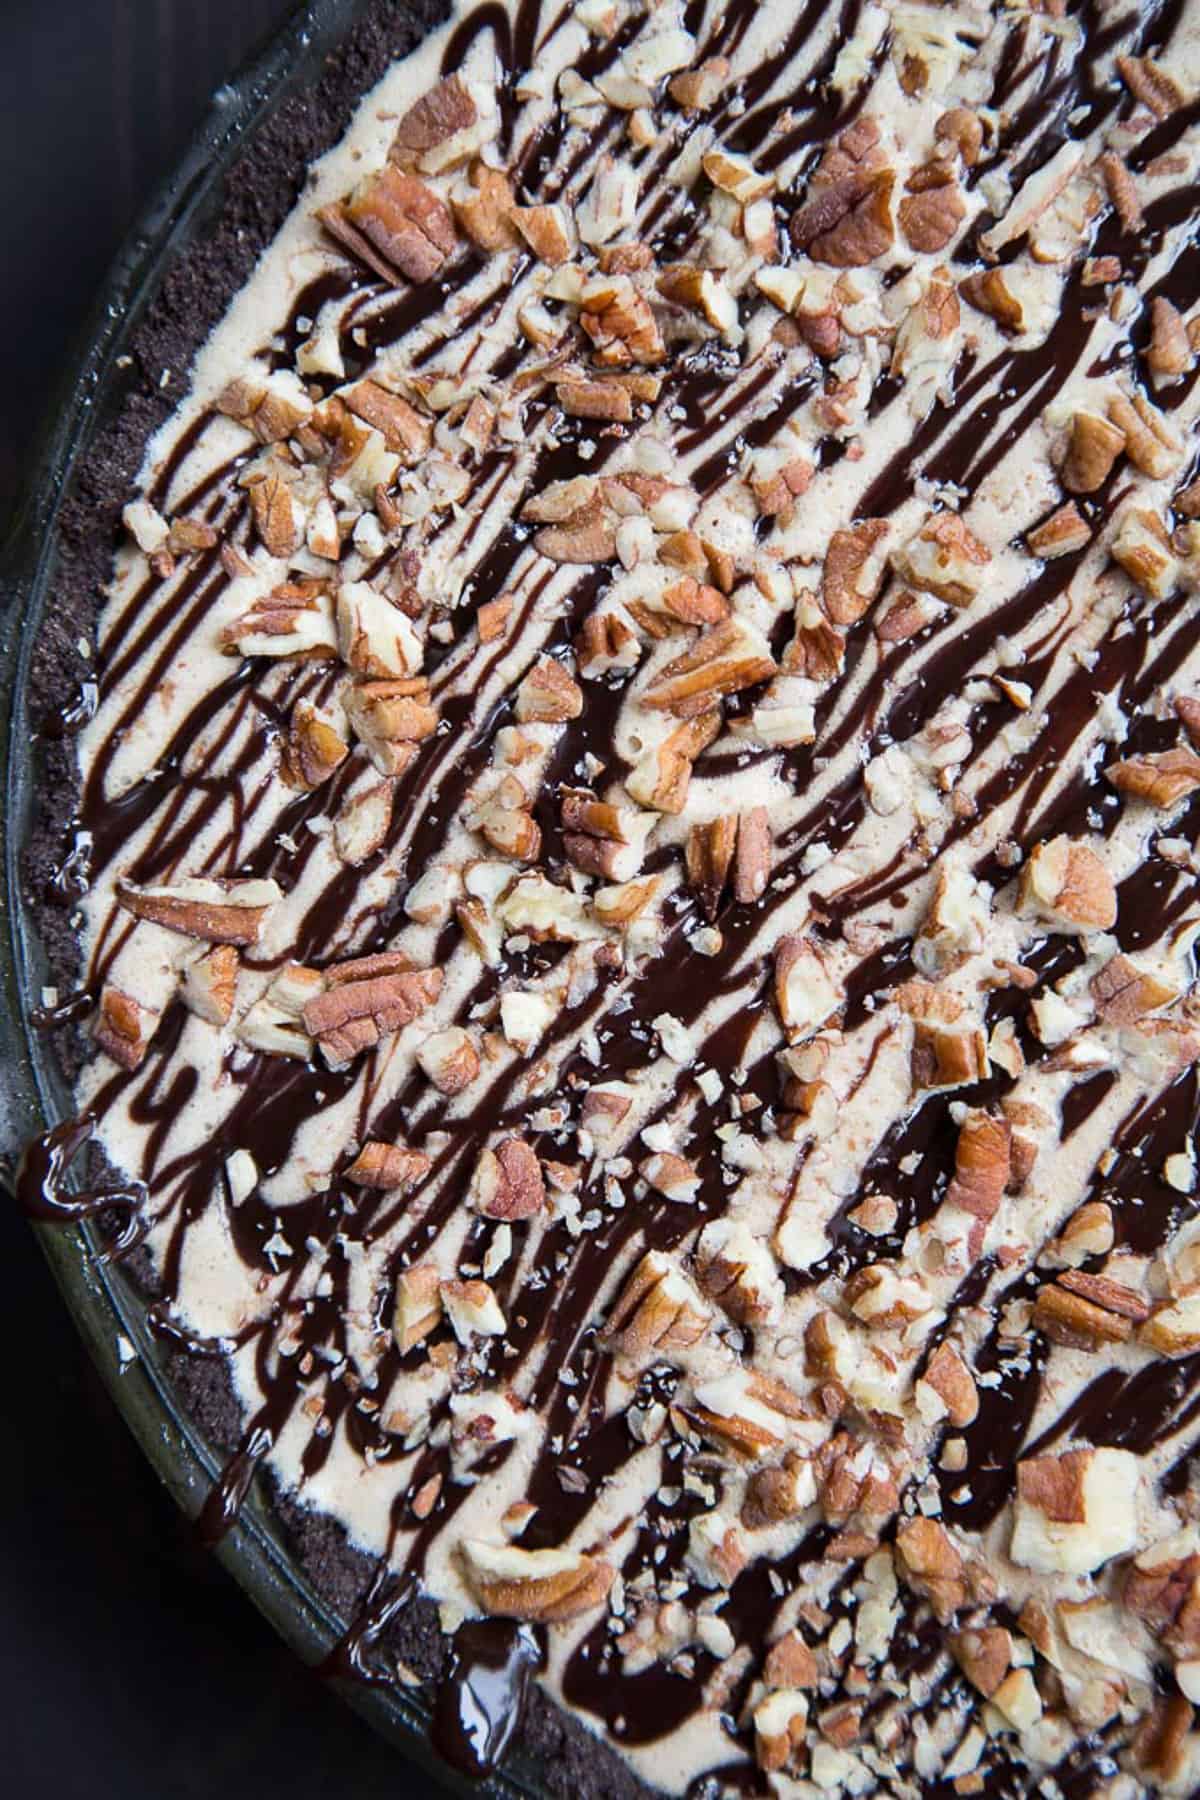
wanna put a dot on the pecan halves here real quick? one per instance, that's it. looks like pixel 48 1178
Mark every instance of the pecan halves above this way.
pixel 367 999
pixel 219 912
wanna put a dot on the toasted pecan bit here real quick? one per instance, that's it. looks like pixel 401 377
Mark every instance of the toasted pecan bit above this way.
pixel 401 220
pixel 1092 450
pixel 989 292
pixel 546 230
pixel 930 217
pixel 962 130
pixel 1160 1742
pixel 984 1655
pixel 657 1311
pixel 583 399
pixel 1162 778
pixel 434 122
pixel 933 1566
pixel 1188 709
pixel 386 1166
pixel 1124 993
pixel 220 912
pixel 1122 190
pixel 1063 533
pixel 274 513
pixel 1150 84
pixel 124 1027
pixel 544 1587
pixel 418 1308
pixel 1170 351
pixel 548 693
pixel 359 1009
pixel 484 209
pixel 403 428
pixel 507 1183
pixel 1066 884
pixel 314 749
pixel 210 984
pixel 849 552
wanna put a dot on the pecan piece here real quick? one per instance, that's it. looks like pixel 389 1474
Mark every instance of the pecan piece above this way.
pixel 507 1183
pixel 850 550
pixel 220 912
pixel 657 1311
pixel 124 1027
pixel 1150 84
pixel 544 1587
pixel 314 749
pixel 393 221
pixel 368 998
pixel 1162 778
pixel 930 216
pixel 1092 450
pixel 388 1166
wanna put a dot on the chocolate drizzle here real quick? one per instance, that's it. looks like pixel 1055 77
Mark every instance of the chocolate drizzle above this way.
pixel 209 778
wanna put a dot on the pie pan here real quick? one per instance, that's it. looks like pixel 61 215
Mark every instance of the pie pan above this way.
pixel 106 1304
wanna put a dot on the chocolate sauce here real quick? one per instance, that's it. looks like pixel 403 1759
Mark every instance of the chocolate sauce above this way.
pixel 481 1700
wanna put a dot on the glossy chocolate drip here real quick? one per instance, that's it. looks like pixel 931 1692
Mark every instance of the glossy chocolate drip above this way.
pixel 481 1700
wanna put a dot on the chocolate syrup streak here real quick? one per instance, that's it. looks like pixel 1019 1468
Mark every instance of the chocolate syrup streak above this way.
pixel 215 775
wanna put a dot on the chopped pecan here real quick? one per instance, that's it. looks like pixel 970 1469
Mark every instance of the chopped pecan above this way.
pixel 1124 993
pixel 984 1655
pixel 961 129
pixel 390 718
pixel 1159 1744
pixel 944 558
pixel 367 998
pixel 1066 884
pixel 314 748
pixel 402 427
pixel 1170 351
pixel 123 1027
pixel 933 1566
pixel 220 912
pixel 850 550
pixel 696 90
pixel 434 121
pixel 1122 190
pixel 418 1309
pixel 656 1313
pixel 1063 533
pixel 275 517
pixel 544 1587
pixel 394 221
pixel 548 693
pixel 507 1183
pixel 210 984
pixel 1150 443
pixel 931 214
pixel 952 1382
pixel 546 230
pixel 725 659
pixel 1162 778
pixel 484 210
pixel 1148 82
pixel 388 1166
pixel 1092 450
pixel 988 292
pixel 586 536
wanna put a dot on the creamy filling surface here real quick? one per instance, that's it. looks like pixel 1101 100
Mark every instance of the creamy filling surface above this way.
pixel 682 555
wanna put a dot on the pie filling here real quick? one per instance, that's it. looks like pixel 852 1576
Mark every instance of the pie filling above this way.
pixel 639 829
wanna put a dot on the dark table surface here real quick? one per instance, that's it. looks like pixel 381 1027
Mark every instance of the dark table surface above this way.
pixel 130 1664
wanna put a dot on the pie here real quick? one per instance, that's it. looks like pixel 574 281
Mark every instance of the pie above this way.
pixel 632 850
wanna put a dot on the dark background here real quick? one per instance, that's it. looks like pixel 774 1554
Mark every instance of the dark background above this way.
pixel 130 1664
